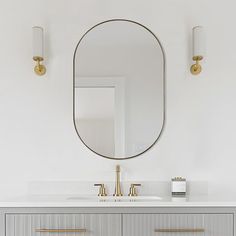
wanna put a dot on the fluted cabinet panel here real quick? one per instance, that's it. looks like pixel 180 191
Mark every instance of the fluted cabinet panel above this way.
pixel 192 224
pixel 95 224
pixel 219 224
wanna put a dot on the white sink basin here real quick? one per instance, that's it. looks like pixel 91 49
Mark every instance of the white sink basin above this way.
pixel 115 199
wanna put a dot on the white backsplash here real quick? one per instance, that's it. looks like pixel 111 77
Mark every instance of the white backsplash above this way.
pixel 161 188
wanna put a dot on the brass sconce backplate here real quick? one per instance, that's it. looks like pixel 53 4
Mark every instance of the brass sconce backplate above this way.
pixel 39 69
pixel 196 68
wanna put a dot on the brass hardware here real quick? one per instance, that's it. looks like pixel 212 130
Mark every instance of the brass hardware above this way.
pixel 60 230
pixel 179 230
pixel 102 190
pixel 132 190
pixel 118 192
pixel 196 68
pixel 39 69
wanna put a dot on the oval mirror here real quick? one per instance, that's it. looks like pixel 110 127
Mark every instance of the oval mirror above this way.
pixel 119 75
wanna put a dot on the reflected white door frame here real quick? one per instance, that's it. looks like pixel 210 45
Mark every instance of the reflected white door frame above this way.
pixel 118 83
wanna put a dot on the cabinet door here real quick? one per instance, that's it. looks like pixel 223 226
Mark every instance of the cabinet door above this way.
pixel 63 225
pixel 178 225
pixel 219 224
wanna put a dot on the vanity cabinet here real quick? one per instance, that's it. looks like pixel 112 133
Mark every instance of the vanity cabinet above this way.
pixel 178 224
pixel 63 224
pixel 117 221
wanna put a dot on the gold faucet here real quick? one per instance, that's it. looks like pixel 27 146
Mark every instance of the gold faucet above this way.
pixel 118 192
pixel 132 190
pixel 102 190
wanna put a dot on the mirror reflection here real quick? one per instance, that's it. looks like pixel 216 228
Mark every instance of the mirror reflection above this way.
pixel 119 89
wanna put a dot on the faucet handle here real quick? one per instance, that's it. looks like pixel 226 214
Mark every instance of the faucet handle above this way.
pixel 132 190
pixel 102 190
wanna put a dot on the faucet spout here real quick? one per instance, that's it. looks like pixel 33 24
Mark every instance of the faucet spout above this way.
pixel 118 192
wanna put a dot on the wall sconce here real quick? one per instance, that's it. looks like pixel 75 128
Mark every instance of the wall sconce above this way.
pixel 38 39
pixel 198 49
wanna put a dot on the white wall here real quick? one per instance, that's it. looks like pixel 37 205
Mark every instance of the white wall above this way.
pixel 37 137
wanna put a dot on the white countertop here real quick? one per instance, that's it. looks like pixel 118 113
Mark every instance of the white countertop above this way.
pixel 71 201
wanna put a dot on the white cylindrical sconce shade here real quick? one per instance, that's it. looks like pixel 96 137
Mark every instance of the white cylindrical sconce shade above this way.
pixel 198 42
pixel 38 49
pixel 37 42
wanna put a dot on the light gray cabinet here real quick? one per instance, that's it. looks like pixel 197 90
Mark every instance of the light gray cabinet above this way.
pixel 63 224
pixel 178 224
pixel 117 222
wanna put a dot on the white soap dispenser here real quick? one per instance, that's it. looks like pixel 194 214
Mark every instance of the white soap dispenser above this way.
pixel 178 186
